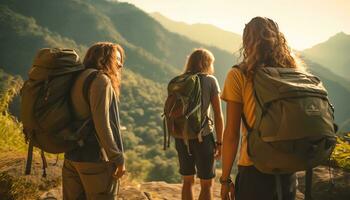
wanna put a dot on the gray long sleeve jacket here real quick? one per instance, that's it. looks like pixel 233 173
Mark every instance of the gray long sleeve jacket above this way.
pixel 101 95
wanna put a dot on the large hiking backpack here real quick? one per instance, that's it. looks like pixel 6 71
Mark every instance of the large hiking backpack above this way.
pixel 294 128
pixel 46 113
pixel 183 109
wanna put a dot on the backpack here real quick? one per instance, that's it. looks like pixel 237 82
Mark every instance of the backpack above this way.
pixel 46 113
pixel 294 128
pixel 183 109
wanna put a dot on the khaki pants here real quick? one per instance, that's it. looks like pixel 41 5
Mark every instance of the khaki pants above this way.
pixel 88 180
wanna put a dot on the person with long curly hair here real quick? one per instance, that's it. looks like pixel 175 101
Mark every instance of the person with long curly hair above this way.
pixel 92 170
pixel 263 46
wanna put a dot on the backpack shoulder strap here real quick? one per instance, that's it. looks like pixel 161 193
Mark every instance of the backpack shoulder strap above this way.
pixel 245 123
pixel 87 84
pixel 308 184
pixel 238 66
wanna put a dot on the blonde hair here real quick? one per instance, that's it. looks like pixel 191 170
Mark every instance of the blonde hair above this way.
pixel 103 56
pixel 200 61
pixel 264 45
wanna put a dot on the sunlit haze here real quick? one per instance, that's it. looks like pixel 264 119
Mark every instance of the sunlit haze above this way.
pixel 304 22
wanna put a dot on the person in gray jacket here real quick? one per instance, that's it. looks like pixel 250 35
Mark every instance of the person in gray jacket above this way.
pixel 92 170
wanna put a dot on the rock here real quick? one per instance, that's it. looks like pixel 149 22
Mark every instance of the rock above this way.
pixel 15 185
pixel 53 194
pixel 132 193
pixel 166 191
pixel 327 185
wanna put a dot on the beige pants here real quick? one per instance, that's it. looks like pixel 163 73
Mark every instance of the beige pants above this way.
pixel 88 180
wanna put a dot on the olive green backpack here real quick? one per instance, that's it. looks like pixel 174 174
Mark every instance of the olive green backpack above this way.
pixel 46 113
pixel 183 109
pixel 294 128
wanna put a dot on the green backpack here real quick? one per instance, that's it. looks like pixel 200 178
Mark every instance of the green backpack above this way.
pixel 46 113
pixel 183 109
pixel 294 128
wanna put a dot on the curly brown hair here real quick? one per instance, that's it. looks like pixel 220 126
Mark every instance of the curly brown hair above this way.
pixel 264 45
pixel 103 56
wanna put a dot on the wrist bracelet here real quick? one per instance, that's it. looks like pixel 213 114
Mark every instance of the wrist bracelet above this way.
pixel 227 181
pixel 218 143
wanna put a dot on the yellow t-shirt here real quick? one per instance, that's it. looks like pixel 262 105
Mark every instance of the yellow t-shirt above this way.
pixel 238 89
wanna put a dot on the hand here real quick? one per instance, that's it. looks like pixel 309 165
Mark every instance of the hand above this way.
pixel 217 153
pixel 228 191
pixel 119 171
pixel 232 191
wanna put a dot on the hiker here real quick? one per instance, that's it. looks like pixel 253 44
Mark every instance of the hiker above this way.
pixel 92 170
pixel 187 114
pixel 256 85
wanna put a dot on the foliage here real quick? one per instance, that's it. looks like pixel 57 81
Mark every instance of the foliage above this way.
pixel 21 37
pixel 10 129
pixel 341 153
pixel 141 108
pixel 142 30
pixel 12 188
pixel 81 21
pixel 163 169
pixel 154 55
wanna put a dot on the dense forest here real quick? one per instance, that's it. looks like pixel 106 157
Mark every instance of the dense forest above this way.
pixel 154 55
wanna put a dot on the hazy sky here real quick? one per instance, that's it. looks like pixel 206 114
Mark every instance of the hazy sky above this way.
pixel 304 22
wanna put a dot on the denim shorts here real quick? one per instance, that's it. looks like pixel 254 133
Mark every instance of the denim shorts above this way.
pixel 199 159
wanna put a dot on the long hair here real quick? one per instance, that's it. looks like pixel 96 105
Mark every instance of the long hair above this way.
pixel 103 56
pixel 200 61
pixel 264 45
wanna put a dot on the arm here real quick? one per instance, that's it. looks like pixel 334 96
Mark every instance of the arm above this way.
pixel 231 137
pixel 101 93
pixel 218 117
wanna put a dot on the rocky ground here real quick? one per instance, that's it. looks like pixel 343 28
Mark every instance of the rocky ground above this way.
pixel 14 185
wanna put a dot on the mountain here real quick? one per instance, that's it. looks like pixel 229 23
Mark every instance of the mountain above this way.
pixel 143 31
pixel 152 50
pixel 337 86
pixel 333 53
pixel 154 55
pixel 21 37
pixel 82 22
pixel 141 100
pixel 203 33
pixel 338 91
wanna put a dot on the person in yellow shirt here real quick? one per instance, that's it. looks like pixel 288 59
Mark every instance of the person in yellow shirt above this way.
pixel 263 45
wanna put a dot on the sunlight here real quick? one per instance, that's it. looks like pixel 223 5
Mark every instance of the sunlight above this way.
pixel 304 23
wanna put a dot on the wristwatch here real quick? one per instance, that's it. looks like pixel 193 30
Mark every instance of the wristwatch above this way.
pixel 226 181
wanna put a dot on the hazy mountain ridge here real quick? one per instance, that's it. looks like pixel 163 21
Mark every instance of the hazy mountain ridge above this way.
pixel 338 92
pixel 204 33
pixel 20 38
pixel 142 30
pixel 154 55
pixel 143 91
pixel 338 87
pixel 80 21
pixel 141 100
pixel 333 53
pixel 147 43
